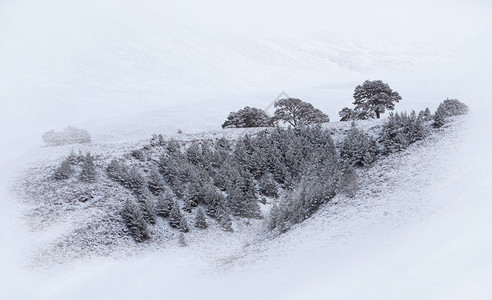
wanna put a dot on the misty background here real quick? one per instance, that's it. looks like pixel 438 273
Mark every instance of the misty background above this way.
pixel 69 62
pixel 185 65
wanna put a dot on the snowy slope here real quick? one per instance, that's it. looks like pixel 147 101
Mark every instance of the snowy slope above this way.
pixel 419 228
pixel 127 69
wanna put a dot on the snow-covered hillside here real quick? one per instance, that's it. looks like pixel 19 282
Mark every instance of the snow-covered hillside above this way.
pixel 420 227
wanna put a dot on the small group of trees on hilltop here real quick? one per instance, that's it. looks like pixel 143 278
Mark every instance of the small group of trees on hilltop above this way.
pixel 292 111
pixel 70 135
pixel 371 99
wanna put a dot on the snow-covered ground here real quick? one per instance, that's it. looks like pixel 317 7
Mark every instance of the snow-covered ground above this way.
pixel 125 70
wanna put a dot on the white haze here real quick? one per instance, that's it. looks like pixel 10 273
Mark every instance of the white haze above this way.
pixel 99 64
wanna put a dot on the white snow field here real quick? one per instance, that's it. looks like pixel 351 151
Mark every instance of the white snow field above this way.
pixel 421 226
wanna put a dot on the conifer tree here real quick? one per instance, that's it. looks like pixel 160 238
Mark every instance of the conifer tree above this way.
pixel 358 148
pixel 183 225
pixel 134 180
pixel 297 112
pixel 175 216
pixel 247 117
pixel 200 219
pixel 223 217
pixel 427 114
pixel 375 97
pixel 88 173
pixel 439 119
pixel 155 181
pixel 164 203
pixel 134 221
pixel 147 206
pixel 63 171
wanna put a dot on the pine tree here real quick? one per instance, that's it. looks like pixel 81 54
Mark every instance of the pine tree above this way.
pixel 247 117
pixel 358 148
pixel 222 215
pixel 374 97
pixel 155 182
pixel 268 187
pixel 147 206
pixel 164 203
pixel 439 119
pixel 135 222
pixel 64 170
pixel 200 219
pixel 135 181
pixel 88 173
pixel 175 216
pixel 183 225
pixel 297 112
pixel 427 114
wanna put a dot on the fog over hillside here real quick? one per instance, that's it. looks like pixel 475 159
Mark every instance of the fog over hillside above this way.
pixel 126 69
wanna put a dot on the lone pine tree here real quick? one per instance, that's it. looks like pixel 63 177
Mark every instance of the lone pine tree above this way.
pixel 373 98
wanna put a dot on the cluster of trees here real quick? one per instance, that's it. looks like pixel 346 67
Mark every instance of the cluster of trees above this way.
pixel 292 111
pixel 70 135
pixel 87 168
pixel 223 179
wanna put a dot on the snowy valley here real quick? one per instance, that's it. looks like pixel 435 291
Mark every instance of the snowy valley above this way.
pixel 164 203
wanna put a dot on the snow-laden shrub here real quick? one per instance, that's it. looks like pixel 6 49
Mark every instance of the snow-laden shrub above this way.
pixel 70 135
pixel 452 107
pixel 448 108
